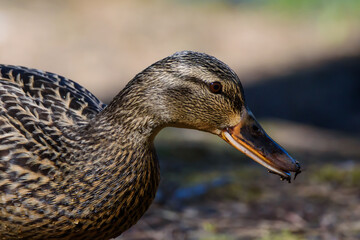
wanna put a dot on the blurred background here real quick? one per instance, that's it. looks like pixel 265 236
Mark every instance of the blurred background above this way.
pixel 299 62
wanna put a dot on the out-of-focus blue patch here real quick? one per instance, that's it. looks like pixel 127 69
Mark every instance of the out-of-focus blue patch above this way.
pixel 193 191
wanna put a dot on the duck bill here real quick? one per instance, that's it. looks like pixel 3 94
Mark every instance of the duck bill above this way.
pixel 250 138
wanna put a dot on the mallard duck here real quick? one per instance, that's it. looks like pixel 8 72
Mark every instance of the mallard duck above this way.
pixel 72 167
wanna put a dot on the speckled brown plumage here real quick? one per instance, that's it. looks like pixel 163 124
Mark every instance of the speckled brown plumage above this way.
pixel 73 168
pixel 61 175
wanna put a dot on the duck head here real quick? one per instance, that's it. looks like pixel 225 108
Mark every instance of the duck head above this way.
pixel 197 91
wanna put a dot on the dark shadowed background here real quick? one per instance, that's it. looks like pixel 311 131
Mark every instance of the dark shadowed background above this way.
pixel 299 62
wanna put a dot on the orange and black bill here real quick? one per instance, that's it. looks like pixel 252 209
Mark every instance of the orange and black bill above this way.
pixel 251 139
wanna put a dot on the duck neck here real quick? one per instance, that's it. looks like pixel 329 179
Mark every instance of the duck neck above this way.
pixel 127 126
pixel 119 167
pixel 120 140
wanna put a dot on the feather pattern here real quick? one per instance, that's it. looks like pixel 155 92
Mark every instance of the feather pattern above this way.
pixel 44 185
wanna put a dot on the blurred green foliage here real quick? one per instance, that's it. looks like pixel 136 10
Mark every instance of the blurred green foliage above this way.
pixel 349 177
pixel 320 10
pixel 218 237
pixel 283 235
pixel 242 187
pixel 327 9
pixel 212 234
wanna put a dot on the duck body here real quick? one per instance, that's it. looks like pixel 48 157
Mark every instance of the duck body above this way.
pixel 73 168
pixel 54 187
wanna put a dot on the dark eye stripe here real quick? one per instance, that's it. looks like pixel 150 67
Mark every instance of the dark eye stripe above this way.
pixel 235 100
pixel 194 80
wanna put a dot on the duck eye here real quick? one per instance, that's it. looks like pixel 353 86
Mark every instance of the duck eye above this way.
pixel 215 87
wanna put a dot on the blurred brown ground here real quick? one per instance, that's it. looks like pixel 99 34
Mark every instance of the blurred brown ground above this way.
pixel 280 59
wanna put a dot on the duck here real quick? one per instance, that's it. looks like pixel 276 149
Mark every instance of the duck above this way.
pixel 72 167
